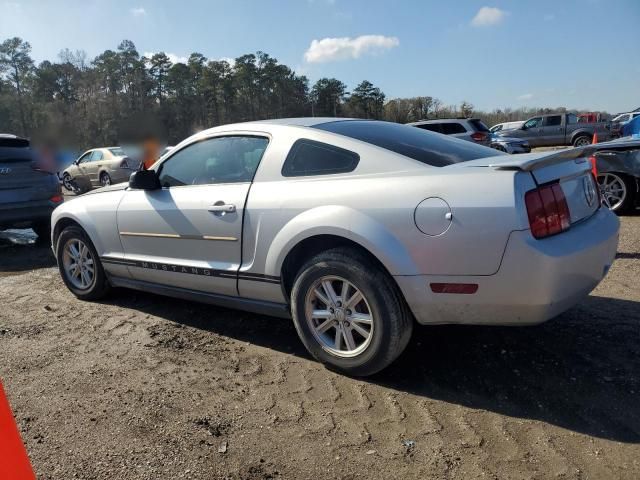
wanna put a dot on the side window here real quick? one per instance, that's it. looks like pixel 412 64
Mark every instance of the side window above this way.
pixel 96 155
pixel 452 128
pixel 85 158
pixel 534 122
pixel 572 119
pixel 552 121
pixel 308 157
pixel 232 159
pixel 496 128
pixel 432 127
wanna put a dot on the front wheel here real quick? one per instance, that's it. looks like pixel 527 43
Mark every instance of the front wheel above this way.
pixel 80 265
pixel 618 190
pixel 67 182
pixel 349 313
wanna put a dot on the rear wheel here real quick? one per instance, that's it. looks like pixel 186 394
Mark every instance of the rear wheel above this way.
pixel 618 190
pixel 80 265
pixel 105 179
pixel 582 141
pixel 349 313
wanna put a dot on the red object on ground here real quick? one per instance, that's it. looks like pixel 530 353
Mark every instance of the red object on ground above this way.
pixel 14 462
pixel 595 137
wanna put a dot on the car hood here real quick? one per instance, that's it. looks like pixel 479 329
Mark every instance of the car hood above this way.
pixel 110 188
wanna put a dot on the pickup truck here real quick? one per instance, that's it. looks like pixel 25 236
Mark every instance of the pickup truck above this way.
pixel 560 129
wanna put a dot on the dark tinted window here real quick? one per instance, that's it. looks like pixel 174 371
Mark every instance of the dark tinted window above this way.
pixel 14 149
pixel 416 143
pixel 215 160
pixel 552 121
pixel 478 125
pixel 432 127
pixel 451 128
pixel 308 157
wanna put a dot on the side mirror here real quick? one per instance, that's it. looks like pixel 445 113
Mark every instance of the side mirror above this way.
pixel 144 180
pixel 523 127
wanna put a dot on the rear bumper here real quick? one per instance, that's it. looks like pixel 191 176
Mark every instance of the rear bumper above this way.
pixel 23 214
pixel 537 279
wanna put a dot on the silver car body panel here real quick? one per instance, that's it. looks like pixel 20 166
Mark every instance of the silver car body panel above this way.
pixel 142 236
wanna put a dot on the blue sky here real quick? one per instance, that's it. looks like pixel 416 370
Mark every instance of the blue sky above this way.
pixel 581 54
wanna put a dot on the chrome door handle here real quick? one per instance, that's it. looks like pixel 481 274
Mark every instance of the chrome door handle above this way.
pixel 220 207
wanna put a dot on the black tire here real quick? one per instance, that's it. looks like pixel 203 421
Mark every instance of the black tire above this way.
pixel 105 179
pixel 582 140
pixel 631 191
pixel 42 230
pixel 67 182
pixel 392 320
pixel 100 284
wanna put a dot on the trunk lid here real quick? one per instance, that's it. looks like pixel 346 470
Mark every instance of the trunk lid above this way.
pixel 570 168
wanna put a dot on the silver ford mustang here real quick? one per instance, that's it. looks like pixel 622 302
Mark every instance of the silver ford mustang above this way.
pixel 353 228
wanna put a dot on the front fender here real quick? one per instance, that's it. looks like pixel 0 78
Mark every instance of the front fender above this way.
pixel 343 222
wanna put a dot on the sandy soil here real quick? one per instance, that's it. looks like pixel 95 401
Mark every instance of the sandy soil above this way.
pixel 144 387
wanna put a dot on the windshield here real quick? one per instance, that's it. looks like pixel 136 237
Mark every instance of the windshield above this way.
pixel 426 147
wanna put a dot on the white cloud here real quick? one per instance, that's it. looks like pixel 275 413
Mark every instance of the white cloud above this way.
pixel 173 58
pixel 488 16
pixel 332 49
pixel 526 96
pixel 138 12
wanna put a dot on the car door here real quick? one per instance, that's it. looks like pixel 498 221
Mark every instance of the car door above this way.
pixel 530 131
pixel 552 131
pixel 93 165
pixel 188 233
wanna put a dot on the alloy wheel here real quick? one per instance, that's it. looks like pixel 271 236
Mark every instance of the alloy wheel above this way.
pixel 79 265
pixel 613 189
pixel 339 316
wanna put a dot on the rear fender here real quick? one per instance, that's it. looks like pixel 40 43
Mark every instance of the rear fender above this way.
pixel 343 222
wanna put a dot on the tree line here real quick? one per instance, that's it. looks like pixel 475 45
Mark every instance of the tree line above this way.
pixel 89 101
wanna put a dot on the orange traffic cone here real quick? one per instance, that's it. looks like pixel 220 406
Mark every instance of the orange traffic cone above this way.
pixel 595 137
pixel 14 462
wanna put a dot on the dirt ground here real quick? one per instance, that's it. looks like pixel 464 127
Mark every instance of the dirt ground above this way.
pixel 145 387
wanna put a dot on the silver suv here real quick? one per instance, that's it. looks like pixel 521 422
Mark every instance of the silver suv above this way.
pixel 471 129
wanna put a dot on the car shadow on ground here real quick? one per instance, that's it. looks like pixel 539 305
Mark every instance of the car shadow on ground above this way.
pixel 578 371
pixel 21 250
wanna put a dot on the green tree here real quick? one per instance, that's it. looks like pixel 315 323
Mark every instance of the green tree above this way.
pixel 327 97
pixel 16 62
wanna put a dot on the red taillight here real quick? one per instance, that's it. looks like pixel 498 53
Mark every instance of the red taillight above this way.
pixel 57 198
pixel 547 210
pixel 479 136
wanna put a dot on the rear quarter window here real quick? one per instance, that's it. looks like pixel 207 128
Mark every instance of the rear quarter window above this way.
pixel 308 157
pixel 479 125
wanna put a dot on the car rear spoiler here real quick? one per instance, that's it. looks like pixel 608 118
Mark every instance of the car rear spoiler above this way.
pixel 528 162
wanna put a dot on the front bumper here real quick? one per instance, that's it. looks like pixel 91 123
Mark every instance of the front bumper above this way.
pixel 537 279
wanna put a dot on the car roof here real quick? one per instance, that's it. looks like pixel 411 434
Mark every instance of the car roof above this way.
pixel 441 120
